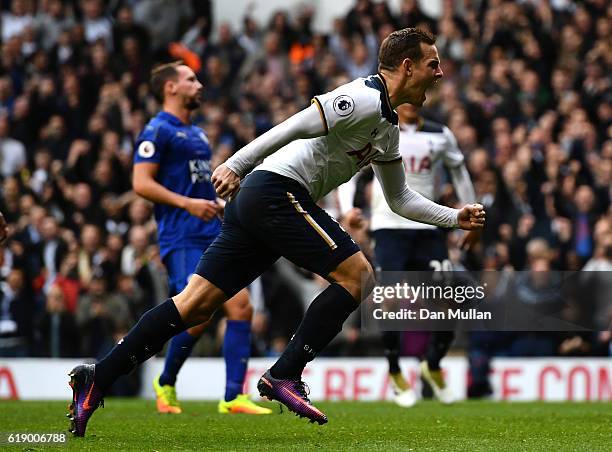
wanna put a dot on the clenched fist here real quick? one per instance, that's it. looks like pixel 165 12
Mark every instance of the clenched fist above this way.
pixel 471 217
pixel 226 182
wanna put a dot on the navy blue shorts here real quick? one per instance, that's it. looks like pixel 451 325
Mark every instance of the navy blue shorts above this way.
pixel 272 216
pixel 180 264
pixel 410 249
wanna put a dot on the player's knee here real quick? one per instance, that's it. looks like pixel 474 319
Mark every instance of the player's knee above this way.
pixel 200 314
pixel 368 279
pixel 198 301
pixel 241 312
pixel 198 330
pixel 239 307
pixel 356 276
pixel 246 313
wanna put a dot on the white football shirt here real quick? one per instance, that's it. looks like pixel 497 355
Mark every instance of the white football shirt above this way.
pixel 361 128
pixel 421 146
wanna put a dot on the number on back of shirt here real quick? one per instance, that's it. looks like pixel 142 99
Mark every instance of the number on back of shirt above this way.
pixel 441 266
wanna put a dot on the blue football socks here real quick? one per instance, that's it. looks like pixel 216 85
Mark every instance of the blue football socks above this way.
pixel 179 350
pixel 236 351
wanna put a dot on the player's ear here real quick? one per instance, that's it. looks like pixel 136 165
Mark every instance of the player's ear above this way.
pixel 171 87
pixel 407 66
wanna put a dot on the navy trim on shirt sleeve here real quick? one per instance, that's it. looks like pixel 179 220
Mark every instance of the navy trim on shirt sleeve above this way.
pixel 321 112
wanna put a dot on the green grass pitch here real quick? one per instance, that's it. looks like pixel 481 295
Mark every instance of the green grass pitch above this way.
pixel 132 424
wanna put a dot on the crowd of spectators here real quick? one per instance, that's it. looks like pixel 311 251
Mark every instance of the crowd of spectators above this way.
pixel 527 91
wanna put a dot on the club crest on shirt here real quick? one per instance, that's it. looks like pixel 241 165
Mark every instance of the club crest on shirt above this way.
pixel 146 149
pixel 344 105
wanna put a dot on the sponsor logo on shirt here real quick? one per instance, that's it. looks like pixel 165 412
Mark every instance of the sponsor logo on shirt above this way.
pixel 199 171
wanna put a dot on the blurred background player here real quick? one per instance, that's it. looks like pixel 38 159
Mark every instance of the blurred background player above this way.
pixel 406 245
pixel 172 169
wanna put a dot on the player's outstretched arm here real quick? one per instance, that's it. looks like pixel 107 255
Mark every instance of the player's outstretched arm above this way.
pixel 305 124
pixel 408 203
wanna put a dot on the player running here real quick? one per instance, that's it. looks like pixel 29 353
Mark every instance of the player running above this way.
pixel 406 245
pixel 275 214
pixel 172 169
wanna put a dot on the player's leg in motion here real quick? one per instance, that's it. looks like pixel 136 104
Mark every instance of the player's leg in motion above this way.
pixel 164 384
pixel 393 249
pixel 438 346
pixel 321 323
pixel 405 395
pixel 193 306
pixel 292 225
pixel 230 263
pixel 236 352
pixel 432 246
pixel 180 264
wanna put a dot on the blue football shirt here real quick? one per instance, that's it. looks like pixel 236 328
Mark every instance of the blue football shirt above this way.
pixel 183 154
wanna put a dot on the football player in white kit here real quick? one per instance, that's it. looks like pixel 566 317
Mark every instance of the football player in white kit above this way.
pixel 401 244
pixel 275 214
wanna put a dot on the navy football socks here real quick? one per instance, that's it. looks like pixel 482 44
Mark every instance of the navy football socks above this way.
pixel 144 340
pixel 391 341
pixel 438 346
pixel 322 322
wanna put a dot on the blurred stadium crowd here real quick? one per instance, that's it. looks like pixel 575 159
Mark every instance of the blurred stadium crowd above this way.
pixel 527 91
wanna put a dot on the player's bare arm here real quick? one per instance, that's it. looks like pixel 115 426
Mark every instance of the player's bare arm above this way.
pixel 307 123
pixel 146 186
